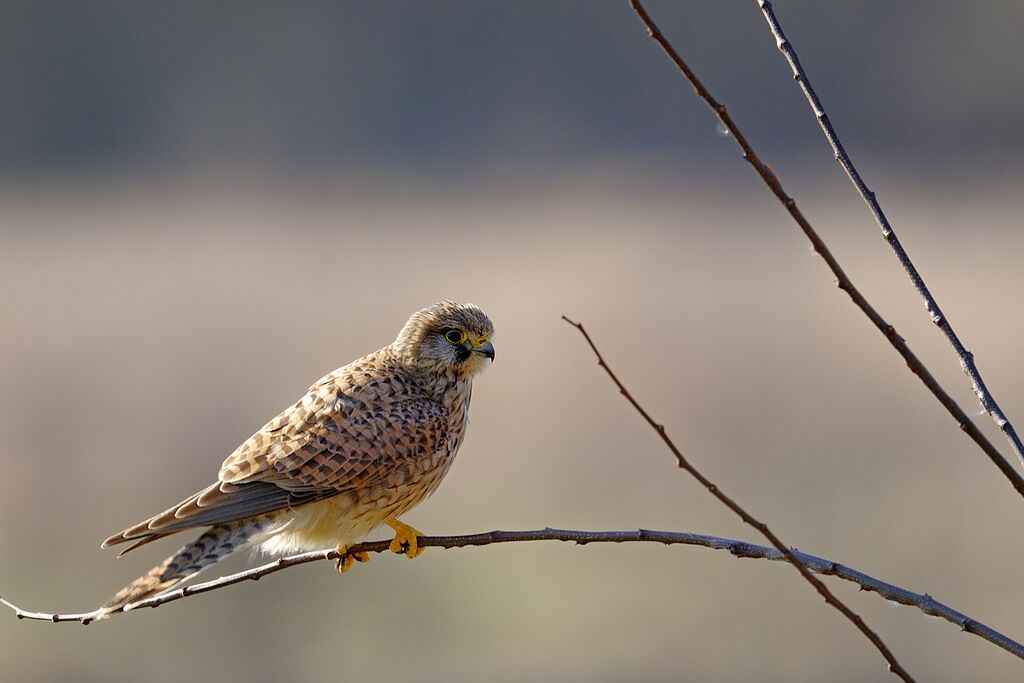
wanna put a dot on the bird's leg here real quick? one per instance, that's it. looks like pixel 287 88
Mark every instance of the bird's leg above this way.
pixel 405 539
pixel 345 558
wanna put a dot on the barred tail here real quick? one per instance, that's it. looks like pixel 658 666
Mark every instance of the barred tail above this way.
pixel 213 546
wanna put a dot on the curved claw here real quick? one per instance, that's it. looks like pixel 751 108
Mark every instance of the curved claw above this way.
pixel 345 559
pixel 406 539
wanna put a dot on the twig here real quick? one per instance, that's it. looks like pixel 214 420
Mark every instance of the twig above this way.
pixel 913 363
pixel 761 527
pixel 741 549
pixel 966 358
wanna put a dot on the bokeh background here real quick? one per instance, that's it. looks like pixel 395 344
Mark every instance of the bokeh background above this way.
pixel 206 206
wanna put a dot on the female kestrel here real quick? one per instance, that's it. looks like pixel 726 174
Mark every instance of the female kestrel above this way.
pixel 364 445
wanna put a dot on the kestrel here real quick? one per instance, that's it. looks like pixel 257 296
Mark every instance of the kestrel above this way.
pixel 365 444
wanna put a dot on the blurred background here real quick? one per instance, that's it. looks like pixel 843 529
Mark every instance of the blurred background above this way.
pixel 205 207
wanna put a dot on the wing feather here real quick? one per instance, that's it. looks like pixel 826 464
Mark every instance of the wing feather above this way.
pixel 342 435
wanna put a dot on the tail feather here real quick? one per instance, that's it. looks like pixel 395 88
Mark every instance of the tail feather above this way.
pixel 213 546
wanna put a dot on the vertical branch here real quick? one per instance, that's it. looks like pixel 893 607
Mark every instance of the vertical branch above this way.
pixel 966 357
pixel 760 526
pixel 842 280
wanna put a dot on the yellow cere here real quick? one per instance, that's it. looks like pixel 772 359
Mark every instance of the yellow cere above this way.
pixel 481 341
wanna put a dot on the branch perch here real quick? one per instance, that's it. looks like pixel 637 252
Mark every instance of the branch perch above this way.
pixel 844 282
pixel 740 549
pixel 965 357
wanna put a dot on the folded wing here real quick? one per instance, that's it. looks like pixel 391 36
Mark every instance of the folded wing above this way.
pixel 328 443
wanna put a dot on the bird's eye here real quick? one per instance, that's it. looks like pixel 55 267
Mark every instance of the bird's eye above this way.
pixel 481 341
pixel 455 336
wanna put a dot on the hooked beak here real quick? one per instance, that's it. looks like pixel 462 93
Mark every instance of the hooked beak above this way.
pixel 486 350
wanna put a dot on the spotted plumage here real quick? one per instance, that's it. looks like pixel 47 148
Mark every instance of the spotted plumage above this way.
pixel 364 445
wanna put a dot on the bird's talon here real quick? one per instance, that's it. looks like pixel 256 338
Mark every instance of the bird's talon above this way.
pixel 406 541
pixel 345 559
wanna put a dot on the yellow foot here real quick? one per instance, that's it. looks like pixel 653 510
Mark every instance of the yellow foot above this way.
pixel 346 558
pixel 405 539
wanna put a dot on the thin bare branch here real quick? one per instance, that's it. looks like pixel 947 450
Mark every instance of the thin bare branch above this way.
pixel 966 358
pixel 762 528
pixel 771 180
pixel 741 549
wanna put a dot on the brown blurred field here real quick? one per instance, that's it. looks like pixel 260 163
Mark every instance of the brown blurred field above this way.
pixel 150 328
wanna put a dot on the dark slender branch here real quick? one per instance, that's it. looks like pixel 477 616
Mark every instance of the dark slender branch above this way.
pixel 741 549
pixel 761 527
pixel 966 357
pixel 913 362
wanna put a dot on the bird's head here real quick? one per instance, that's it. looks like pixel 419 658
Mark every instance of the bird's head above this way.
pixel 449 336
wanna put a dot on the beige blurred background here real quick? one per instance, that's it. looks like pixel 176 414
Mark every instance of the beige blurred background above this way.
pixel 160 307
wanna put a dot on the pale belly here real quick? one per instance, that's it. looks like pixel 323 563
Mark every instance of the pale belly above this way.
pixel 346 519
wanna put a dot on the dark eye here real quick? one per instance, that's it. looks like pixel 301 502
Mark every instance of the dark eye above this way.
pixel 455 336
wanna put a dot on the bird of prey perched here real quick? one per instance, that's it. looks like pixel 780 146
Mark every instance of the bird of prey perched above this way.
pixel 364 445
